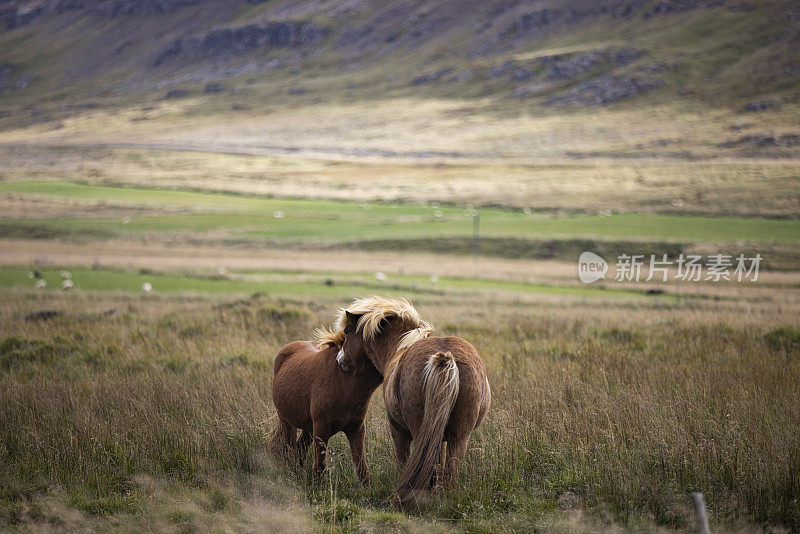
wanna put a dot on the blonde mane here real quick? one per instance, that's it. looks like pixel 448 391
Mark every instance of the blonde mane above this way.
pixel 329 338
pixel 373 310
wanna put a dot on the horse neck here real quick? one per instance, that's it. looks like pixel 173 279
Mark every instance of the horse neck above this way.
pixel 392 365
pixel 382 352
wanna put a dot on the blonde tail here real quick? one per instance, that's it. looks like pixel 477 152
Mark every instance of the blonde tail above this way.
pixel 440 384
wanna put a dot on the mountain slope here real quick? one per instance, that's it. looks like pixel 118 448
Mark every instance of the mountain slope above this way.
pixel 127 46
pixel 190 58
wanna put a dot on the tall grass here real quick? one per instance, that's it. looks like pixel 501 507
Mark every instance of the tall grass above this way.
pixel 159 416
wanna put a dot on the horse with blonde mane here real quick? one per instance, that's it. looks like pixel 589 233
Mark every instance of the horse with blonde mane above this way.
pixel 311 392
pixel 435 388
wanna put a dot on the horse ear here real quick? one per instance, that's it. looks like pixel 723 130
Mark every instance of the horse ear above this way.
pixel 352 318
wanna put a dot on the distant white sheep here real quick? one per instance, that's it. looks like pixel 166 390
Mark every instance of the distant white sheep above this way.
pixel 41 284
pixel 147 287
pixel 66 285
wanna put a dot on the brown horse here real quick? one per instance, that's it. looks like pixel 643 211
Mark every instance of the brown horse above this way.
pixel 311 392
pixel 435 388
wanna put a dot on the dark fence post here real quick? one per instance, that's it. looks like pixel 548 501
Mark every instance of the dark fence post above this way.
pixel 476 235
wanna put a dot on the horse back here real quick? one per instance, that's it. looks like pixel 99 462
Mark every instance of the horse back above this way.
pixel 469 362
pixel 289 350
pixel 310 388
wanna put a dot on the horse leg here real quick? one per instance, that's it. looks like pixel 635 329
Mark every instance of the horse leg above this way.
pixel 355 435
pixel 285 437
pixel 302 446
pixel 321 437
pixel 456 450
pixel 402 445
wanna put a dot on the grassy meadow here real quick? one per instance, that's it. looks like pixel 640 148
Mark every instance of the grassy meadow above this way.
pixel 299 219
pixel 154 412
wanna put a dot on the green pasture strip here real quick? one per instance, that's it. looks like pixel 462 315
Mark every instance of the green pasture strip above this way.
pixel 215 201
pixel 293 284
pixel 423 283
pixel 294 226
pixel 126 281
pixel 339 221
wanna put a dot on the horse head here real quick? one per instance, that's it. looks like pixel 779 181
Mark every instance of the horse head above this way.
pixel 379 345
pixel 371 331
pixel 353 357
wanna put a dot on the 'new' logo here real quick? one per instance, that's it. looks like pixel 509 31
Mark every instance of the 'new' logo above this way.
pixel 591 267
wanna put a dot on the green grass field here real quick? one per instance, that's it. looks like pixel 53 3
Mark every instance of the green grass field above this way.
pixel 296 220
pixel 298 284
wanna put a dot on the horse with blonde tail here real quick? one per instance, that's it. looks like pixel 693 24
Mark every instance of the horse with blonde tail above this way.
pixel 435 388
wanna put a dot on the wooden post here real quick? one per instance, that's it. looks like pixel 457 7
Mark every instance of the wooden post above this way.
pixel 700 513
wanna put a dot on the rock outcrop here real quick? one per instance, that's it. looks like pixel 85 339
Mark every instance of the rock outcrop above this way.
pixel 226 42
pixel 606 89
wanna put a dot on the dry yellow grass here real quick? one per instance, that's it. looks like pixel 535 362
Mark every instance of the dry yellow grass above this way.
pixel 605 415
pixel 420 150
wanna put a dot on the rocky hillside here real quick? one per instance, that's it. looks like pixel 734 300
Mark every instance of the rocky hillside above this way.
pixel 538 54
